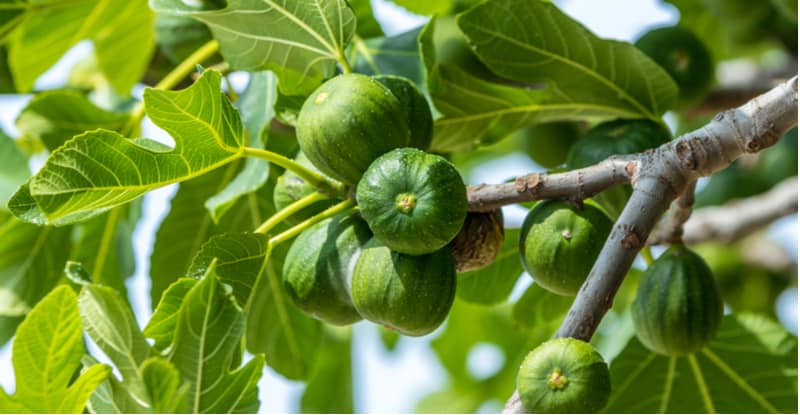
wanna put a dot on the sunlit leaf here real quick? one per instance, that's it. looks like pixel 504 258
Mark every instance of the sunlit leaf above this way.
pixel 109 322
pixel 163 383
pixel 749 367
pixel 239 258
pixel 46 353
pixel 161 326
pixel 427 6
pixel 100 169
pixel 299 40
pixel 208 333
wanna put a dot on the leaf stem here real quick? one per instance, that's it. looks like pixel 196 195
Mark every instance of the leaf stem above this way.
pixel 313 178
pixel 300 227
pixel 173 78
pixel 346 68
pixel 290 210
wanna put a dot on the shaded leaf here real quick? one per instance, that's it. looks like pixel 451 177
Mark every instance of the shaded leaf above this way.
pixel 104 246
pixel 256 108
pixel 100 169
pixel 289 339
pixel 31 262
pixel 749 367
pixel 13 168
pixel 56 116
pixel 330 387
pixel 395 55
pixel 539 43
pixel 187 226
pixel 46 353
pixel 540 310
pixel 11 15
pixel 494 283
pixel 299 40
pixel 366 25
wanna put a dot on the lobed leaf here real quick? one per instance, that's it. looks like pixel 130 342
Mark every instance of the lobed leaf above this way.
pixel 100 169
pixel 299 40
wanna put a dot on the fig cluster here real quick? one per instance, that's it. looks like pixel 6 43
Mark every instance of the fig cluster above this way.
pixel 390 262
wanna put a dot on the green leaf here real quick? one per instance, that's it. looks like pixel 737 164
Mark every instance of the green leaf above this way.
pixel 109 322
pixel 208 333
pixel 482 109
pixel 100 169
pixel 121 31
pixel 31 263
pixel 161 326
pixel 749 367
pixel 187 226
pixel 289 339
pixel 470 325
pixel 539 43
pixel 395 55
pixel 493 284
pixel 239 258
pixel 53 117
pixel 6 80
pixel 256 108
pixel 540 310
pixel 163 383
pixel 12 13
pixel 104 246
pixel 13 168
pixel 299 40
pixel 330 387
pixel 46 353
pixel 8 326
pixel 366 25
pixel 427 7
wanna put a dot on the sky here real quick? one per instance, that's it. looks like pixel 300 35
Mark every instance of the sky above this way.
pixel 385 382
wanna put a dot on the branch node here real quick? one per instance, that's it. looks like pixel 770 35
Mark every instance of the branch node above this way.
pixel 528 183
pixel 631 239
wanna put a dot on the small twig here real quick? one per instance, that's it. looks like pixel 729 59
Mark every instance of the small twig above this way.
pixel 739 218
pixel 670 228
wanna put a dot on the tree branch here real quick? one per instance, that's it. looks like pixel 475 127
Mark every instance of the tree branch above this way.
pixel 576 185
pixel 660 176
